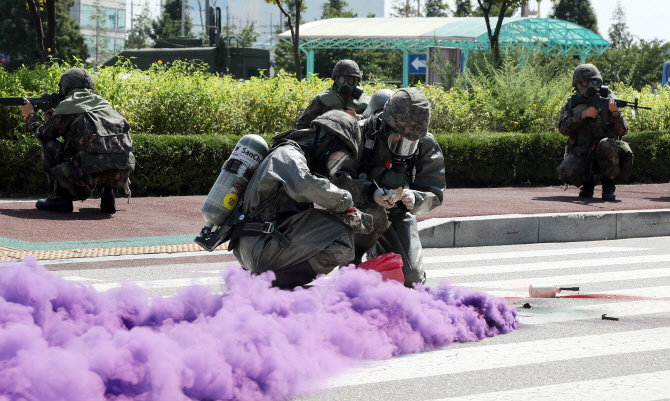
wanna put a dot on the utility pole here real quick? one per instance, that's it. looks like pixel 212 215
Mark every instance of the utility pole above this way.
pixel 183 9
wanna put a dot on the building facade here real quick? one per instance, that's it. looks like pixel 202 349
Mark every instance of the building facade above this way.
pixel 103 25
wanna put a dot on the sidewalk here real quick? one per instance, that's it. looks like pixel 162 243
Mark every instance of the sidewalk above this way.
pixel 467 217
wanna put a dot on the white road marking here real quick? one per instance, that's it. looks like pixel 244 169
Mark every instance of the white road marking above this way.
pixel 576 279
pixel 80 279
pixel 169 283
pixel 556 265
pixel 647 292
pixel 595 312
pixel 447 361
pixel 645 386
pixel 527 254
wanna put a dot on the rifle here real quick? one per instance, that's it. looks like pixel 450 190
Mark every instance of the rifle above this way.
pixel 600 101
pixel 46 102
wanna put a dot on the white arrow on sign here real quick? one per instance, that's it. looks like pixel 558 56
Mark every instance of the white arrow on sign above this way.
pixel 417 63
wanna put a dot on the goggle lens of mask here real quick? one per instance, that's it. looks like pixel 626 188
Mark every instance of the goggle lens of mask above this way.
pixel 342 79
pixel 595 82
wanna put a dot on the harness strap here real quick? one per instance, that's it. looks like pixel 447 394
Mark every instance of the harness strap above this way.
pixel 249 225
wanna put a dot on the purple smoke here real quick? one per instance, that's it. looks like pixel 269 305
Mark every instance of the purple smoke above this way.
pixel 65 341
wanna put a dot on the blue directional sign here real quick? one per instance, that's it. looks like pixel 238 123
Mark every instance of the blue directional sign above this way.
pixel 417 63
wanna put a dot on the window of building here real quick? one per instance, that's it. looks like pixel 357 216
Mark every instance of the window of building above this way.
pixel 110 18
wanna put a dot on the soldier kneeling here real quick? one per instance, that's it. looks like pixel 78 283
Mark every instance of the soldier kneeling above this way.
pixel 593 148
pixel 96 152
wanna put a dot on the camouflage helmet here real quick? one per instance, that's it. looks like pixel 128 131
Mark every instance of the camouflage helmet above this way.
pixel 342 126
pixel 377 101
pixel 407 112
pixel 347 68
pixel 585 71
pixel 76 78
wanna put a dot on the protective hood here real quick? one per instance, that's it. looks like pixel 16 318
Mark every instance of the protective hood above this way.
pixel 82 101
pixel 342 126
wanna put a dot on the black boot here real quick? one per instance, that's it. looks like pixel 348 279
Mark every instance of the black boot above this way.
pixel 586 191
pixel 294 276
pixel 60 202
pixel 107 202
pixel 608 190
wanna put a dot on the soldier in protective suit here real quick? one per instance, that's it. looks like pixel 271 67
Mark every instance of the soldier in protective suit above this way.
pixel 342 95
pixel 401 174
pixel 96 152
pixel 297 240
pixel 593 149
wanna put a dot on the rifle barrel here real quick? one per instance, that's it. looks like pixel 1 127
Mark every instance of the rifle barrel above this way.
pixel 11 101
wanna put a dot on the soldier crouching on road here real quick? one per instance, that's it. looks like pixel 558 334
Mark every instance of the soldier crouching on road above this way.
pixel 96 152
pixel 593 148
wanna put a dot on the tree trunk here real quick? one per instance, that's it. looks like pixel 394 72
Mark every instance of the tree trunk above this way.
pixel 50 41
pixel 494 35
pixel 296 41
pixel 295 35
pixel 39 32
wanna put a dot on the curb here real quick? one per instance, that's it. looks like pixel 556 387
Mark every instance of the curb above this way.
pixel 514 229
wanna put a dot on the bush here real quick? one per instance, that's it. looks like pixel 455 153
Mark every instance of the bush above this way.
pixel 184 100
pixel 189 164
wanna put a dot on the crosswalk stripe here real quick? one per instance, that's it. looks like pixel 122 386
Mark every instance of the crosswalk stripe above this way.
pixel 647 292
pixel 645 386
pixel 527 254
pixel 595 311
pixel 555 265
pixel 169 283
pixel 468 359
pixel 576 279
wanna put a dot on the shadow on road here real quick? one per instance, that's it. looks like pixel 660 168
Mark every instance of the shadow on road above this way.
pixel 34 214
pixel 661 199
pixel 573 199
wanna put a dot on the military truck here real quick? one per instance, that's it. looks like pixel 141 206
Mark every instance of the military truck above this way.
pixel 220 55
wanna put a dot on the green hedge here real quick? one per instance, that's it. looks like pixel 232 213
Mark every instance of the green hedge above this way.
pixel 189 165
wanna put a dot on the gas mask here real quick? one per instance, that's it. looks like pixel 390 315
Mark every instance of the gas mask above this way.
pixel 400 147
pixel 588 87
pixel 347 86
pixel 327 154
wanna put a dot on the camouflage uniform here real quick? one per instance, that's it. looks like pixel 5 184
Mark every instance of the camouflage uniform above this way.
pixel 612 158
pixel 96 147
pixel 395 230
pixel 331 100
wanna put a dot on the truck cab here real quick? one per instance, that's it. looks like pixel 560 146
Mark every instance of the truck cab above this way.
pixel 666 73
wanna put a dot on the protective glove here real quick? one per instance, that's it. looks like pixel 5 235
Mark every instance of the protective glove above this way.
pixel 358 221
pixel 387 197
pixel 408 199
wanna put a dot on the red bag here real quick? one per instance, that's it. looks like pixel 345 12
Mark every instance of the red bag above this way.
pixel 389 265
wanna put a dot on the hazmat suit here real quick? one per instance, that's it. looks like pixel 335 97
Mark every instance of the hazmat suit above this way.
pixel 401 174
pixel 342 95
pixel 298 240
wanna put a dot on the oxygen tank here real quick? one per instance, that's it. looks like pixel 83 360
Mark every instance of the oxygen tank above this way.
pixel 233 179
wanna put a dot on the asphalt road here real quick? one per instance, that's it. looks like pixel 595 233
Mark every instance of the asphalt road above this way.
pixel 563 348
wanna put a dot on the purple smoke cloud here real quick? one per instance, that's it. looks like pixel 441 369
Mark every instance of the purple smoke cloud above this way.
pixel 65 341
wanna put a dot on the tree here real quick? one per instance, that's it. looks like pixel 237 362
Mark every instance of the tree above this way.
pixel 579 12
pixel 619 35
pixel 17 28
pixel 436 8
pixel 500 9
pixel 140 33
pixel 100 51
pixel 293 22
pixel 248 35
pixel 284 54
pixel 402 9
pixel 638 66
pixel 463 8
pixel 168 25
pixel 335 9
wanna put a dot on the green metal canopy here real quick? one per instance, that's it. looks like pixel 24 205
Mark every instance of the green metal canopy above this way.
pixel 413 35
